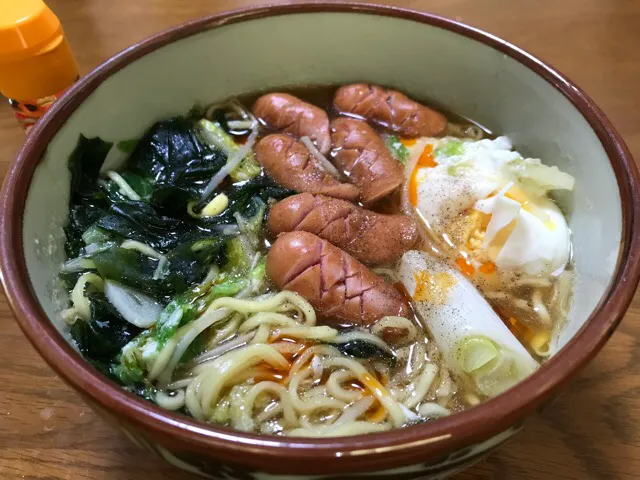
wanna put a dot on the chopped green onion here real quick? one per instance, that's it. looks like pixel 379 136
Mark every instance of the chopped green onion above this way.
pixel 397 149
pixel 449 148
pixel 476 352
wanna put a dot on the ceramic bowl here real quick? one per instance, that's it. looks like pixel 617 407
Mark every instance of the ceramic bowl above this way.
pixel 458 67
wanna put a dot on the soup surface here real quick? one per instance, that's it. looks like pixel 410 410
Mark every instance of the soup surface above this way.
pixel 319 262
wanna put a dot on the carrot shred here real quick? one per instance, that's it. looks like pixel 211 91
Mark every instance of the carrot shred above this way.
pixel 413 188
pixel 426 158
pixel 465 267
pixel 488 267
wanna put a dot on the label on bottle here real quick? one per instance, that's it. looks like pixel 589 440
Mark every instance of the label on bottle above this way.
pixel 29 111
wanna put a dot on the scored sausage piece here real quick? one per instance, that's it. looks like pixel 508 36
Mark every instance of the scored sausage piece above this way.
pixel 342 290
pixel 372 238
pixel 291 115
pixel 289 163
pixel 359 151
pixel 390 109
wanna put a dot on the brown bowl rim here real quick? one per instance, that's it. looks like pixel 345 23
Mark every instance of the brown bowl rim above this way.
pixel 396 448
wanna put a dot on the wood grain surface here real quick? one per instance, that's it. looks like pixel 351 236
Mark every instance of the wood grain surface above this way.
pixel 591 432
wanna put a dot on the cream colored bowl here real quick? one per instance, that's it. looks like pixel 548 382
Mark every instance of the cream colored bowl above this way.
pixel 449 64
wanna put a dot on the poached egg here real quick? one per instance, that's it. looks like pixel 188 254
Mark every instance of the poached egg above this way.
pixel 491 204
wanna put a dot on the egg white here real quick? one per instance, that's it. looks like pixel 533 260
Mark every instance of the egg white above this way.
pixel 478 176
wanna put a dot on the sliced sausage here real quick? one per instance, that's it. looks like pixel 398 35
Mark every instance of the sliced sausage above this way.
pixel 359 151
pixel 291 115
pixel 372 238
pixel 342 290
pixel 289 163
pixel 390 109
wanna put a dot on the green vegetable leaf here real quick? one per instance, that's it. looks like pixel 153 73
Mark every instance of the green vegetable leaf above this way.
pixel 127 146
pixel 175 315
pixel 184 309
pixel 227 288
pixel 215 136
pixel 131 268
pixel 131 367
pixel 140 185
pixel 459 168
pixel 450 148
pixel 237 259
pixel 95 234
pixel 397 149
pixel 258 275
pixel 247 169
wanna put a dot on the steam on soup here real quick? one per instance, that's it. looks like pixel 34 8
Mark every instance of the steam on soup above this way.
pixel 348 264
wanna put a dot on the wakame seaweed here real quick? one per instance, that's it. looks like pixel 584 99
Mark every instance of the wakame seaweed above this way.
pixel 102 336
pixel 172 155
pixel 365 349
pixel 167 170
pixel 87 200
pixel 139 221
pixel 84 164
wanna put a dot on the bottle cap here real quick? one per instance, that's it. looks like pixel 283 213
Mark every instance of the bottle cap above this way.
pixel 27 27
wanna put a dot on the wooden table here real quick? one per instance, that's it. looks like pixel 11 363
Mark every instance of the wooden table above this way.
pixel 591 432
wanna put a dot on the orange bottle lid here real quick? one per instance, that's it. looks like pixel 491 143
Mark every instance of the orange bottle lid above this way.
pixel 27 28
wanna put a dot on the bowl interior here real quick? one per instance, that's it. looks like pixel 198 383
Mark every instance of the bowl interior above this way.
pixel 425 61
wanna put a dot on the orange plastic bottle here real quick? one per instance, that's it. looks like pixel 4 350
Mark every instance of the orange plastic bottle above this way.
pixel 36 63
